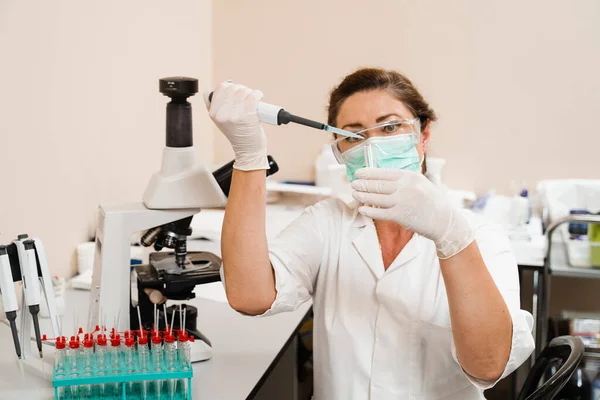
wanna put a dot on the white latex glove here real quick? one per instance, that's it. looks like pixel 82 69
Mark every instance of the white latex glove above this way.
pixel 233 110
pixel 412 201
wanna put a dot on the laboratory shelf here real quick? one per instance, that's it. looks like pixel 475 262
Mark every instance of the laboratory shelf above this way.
pixel 561 267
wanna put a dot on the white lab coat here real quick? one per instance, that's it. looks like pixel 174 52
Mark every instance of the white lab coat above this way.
pixel 384 334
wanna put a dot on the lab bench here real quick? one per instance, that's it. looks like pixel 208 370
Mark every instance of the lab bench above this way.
pixel 246 350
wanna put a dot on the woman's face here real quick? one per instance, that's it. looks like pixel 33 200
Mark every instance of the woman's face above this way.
pixel 365 109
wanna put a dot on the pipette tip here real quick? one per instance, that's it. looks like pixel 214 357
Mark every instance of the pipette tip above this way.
pixel 342 132
pixel 41 355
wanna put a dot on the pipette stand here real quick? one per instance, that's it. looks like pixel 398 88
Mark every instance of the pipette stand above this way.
pixel 45 279
pixel 31 268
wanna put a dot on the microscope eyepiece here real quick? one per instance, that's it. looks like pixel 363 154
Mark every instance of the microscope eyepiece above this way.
pixel 179 110
pixel 178 86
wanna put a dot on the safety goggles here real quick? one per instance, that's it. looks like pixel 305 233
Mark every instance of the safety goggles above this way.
pixel 406 131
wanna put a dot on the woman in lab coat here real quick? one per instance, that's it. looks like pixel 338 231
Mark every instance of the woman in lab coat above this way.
pixel 413 299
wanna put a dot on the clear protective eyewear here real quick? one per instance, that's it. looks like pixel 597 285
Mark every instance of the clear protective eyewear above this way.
pixel 346 149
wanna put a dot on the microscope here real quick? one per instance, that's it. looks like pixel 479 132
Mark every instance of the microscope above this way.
pixel 178 191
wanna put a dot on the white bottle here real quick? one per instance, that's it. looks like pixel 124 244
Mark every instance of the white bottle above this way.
pixel 324 160
pixel 434 170
pixel 331 174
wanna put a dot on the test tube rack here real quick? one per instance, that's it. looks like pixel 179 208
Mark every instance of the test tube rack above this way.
pixel 125 380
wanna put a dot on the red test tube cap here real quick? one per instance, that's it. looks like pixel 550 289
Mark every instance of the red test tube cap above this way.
pixel 115 340
pixel 101 340
pixel 88 342
pixel 156 339
pixel 169 338
pixel 183 336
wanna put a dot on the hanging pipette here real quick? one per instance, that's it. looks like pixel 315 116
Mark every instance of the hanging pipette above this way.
pixel 31 286
pixel 275 115
pixel 9 296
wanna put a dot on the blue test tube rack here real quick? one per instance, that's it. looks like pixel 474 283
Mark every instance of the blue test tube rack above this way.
pixel 125 377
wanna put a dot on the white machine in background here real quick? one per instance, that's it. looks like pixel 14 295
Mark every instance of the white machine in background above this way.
pixel 25 260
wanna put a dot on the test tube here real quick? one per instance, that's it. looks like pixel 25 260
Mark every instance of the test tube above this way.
pixel 157 351
pixel 83 392
pixel 183 348
pixel 87 355
pixel 86 361
pixel 157 359
pixel 128 351
pixel 72 357
pixel 73 365
pixel 170 351
pixel 60 354
pixel 143 359
pixel 115 350
pixel 181 389
pixel 143 351
pixel 111 390
pixel 101 354
pixel 128 360
pixel 370 156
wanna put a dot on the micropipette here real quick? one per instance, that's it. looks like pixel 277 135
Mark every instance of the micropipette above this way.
pixel 9 296
pixel 31 285
pixel 275 115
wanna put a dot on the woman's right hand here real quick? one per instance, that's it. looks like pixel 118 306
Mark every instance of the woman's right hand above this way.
pixel 233 110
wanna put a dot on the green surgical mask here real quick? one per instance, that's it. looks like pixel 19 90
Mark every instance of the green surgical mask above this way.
pixel 394 152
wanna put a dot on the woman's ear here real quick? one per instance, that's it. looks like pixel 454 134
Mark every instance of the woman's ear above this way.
pixel 425 135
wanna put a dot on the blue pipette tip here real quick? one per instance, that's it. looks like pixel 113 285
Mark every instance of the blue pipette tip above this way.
pixel 342 132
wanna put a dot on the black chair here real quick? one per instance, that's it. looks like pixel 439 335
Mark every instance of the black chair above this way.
pixel 567 351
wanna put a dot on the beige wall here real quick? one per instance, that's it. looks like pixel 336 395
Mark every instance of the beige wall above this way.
pixel 81 118
pixel 515 83
pixel 81 121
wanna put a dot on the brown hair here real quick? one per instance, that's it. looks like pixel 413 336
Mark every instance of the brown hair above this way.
pixel 393 82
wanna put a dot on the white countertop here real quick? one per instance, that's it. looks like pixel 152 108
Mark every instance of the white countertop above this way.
pixel 243 348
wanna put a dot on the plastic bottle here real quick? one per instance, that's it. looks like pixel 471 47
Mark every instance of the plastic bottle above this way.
pixel 322 163
pixel 594 239
pixel 434 170
pixel 525 195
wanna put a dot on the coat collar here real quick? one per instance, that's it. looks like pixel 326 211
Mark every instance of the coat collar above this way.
pixel 365 240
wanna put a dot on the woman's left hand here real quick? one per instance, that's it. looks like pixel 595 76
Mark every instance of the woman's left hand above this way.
pixel 412 201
